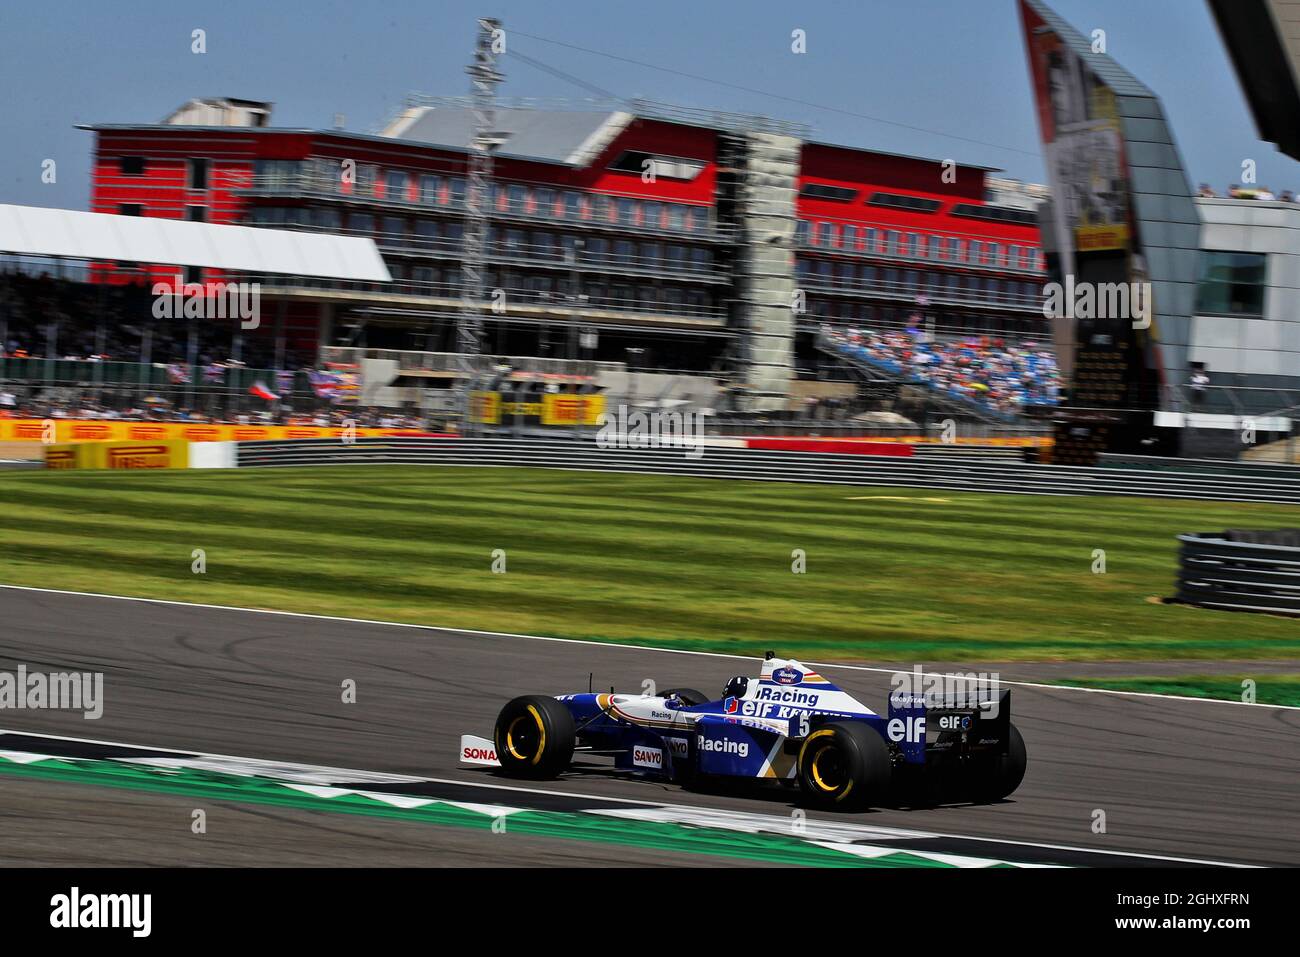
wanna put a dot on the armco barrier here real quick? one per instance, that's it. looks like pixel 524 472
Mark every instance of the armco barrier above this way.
pixel 1242 571
pixel 955 472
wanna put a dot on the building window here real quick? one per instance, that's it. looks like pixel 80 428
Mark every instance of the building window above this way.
pixel 362 224
pixel 1232 284
pixel 130 209
pixel 652 214
pixel 544 244
pixel 573 205
pixel 546 203
pixel 131 165
pixel 821 191
pixel 899 201
pixel 196 214
pixel 395 186
pixel 394 230
pixel 515 195
pixel 277 173
pixel 801 233
pixel 198 173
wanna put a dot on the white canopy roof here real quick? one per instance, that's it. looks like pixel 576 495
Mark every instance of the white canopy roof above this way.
pixel 36 231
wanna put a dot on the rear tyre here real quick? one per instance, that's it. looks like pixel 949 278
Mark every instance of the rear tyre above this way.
pixel 534 737
pixel 688 696
pixel 845 766
pixel 999 777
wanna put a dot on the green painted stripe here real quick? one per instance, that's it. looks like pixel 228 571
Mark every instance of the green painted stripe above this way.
pixel 655 835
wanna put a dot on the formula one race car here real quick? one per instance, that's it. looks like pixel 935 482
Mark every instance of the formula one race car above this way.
pixel 789 724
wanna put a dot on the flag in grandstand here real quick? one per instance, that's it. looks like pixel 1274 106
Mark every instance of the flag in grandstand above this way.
pixel 178 372
pixel 260 390
pixel 284 381
pixel 325 384
pixel 214 373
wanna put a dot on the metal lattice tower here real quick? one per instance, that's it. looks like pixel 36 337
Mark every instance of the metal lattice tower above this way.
pixel 483 82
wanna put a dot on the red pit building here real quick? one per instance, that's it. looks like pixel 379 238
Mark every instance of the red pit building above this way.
pixel 709 242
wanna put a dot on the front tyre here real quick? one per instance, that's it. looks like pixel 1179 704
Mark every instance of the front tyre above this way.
pixel 844 766
pixel 534 737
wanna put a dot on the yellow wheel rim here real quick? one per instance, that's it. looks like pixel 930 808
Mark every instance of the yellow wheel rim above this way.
pixel 533 718
pixel 817 771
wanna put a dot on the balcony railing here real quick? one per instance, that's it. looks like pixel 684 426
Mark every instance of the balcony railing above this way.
pixel 325 183
pixel 409 360
pixel 937 252
pixel 501 251
pixel 447 294
pixel 908 292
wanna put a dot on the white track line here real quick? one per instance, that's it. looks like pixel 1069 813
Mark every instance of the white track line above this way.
pixel 868 831
pixel 614 644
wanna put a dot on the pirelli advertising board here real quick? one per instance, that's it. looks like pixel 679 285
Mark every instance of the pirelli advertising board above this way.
pixel 165 454
pixel 91 430
pixel 557 409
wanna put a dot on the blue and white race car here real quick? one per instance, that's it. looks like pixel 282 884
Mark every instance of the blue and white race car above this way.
pixel 789 724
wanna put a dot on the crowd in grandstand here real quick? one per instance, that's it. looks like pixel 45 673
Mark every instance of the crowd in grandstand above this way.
pixel 42 316
pixel 985 370
pixel 82 404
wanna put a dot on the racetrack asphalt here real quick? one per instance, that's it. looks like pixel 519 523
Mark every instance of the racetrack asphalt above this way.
pixel 1187 779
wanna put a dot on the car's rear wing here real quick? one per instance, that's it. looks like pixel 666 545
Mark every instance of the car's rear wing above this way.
pixel 921 721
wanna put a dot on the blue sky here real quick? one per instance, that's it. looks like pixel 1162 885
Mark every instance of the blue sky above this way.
pixel 956 67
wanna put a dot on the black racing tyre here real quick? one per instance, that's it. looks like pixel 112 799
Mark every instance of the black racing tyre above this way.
pixel 845 766
pixel 534 737
pixel 689 696
pixel 998 778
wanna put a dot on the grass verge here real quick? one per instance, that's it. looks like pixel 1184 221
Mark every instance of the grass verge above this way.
pixel 890 574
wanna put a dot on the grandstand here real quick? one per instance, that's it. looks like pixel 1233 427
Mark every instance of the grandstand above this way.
pixel 973 375
pixel 647 238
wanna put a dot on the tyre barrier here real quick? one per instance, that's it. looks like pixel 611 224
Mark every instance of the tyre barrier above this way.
pixel 1241 571
pixel 971 473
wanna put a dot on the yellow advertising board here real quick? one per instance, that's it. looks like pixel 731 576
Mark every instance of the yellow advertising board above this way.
pixel 558 408
pixel 569 409
pixel 53 431
pixel 485 407
pixel 165 454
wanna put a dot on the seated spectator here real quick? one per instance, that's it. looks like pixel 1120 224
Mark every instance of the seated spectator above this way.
pixel 979 369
